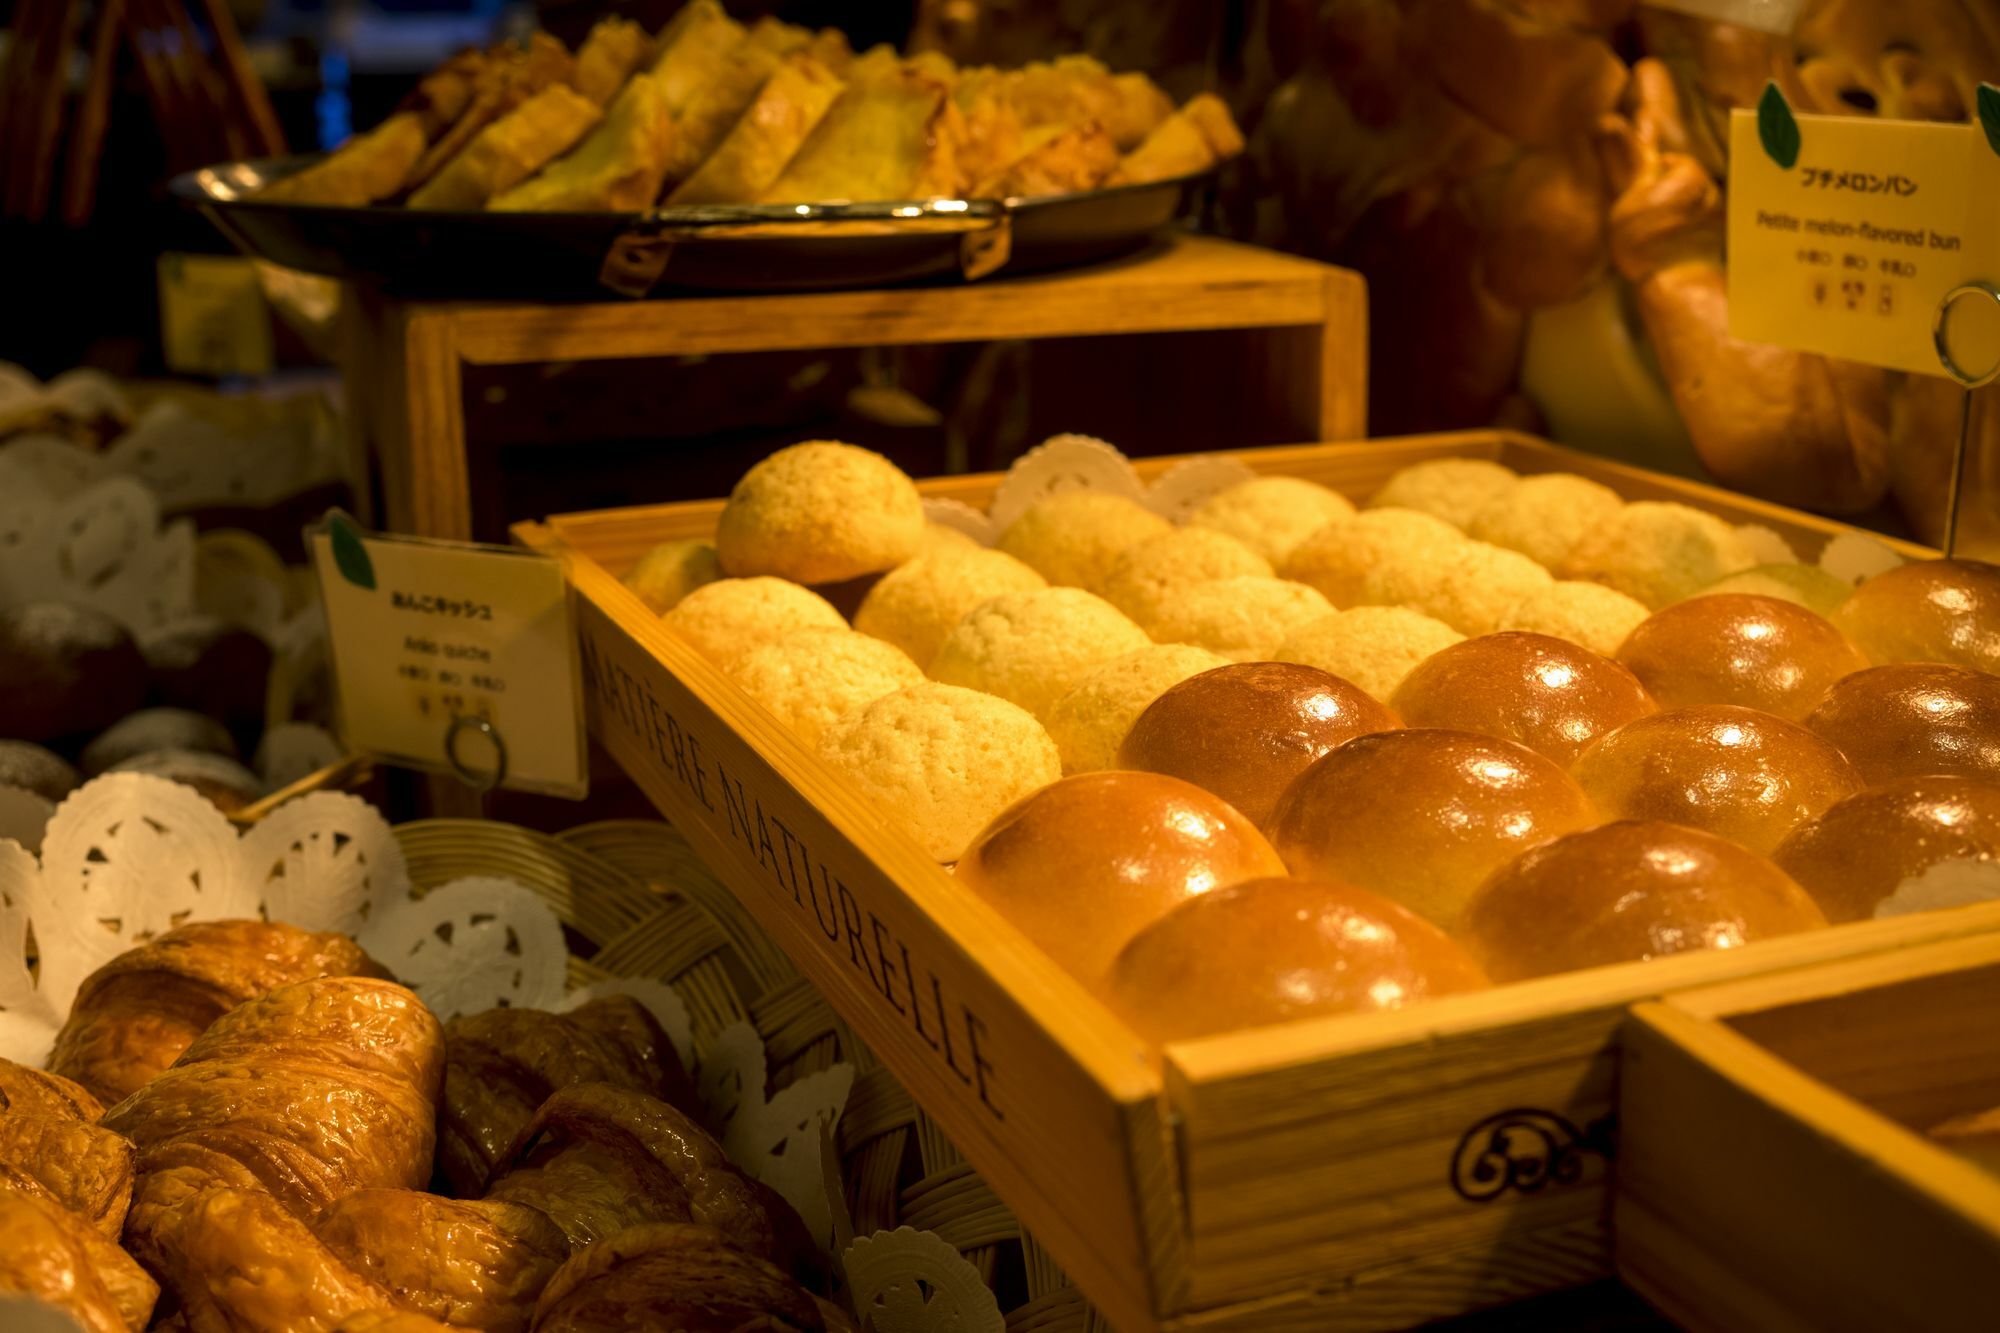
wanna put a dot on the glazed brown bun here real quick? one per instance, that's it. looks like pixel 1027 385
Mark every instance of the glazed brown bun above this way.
pixel 1539 691
pixel 1929 611
pixel 1245 731
pixel 1736 648
pixel 1271 950
pixel 1423 816
pixel 1857 854
pixel 1627 891
pixel 1735 772
pixel 1915 719
pixel 1084 864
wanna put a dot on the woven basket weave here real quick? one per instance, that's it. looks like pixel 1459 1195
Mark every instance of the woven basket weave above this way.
pixel 636 902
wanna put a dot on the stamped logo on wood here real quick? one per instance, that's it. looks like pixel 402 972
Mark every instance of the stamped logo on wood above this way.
pixel 1528 1150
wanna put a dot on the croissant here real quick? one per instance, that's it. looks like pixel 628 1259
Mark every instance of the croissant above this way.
pixel 665 1276
pixel 480 1263
pixel 600 1159
pixel 500 1066
pixel 25 1091
pixel 86 1169
pixel 51 1254
pixel 135 1015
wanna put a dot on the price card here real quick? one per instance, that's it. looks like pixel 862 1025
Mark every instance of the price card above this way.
pixel 1846 233
pixel 454 656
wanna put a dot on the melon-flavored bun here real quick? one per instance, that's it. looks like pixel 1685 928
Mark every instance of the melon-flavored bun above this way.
pixel 944 537
pixel 672 570
pixel 1272 515
pixel 1930 611
pixel 1453 489
pixel 820 512
pixel 1735 772
pixel 1424 816
pixel 940 761
pixel 1272 950
pixel 1374 647
pixel 1659 552
pixel 1588 614
pixel 1091 721
pixel 1857 854
pixel 1628 891
pixel 1471 587
pixel 1084 864
pixel 726 619
pixel 1153 572
pixel 1339 557
pixel 1733 648
pixel 1074 539
pixel 1246 731
pixel 1032 648
pixel 1804 585
pixel 815 677
pixel 915 605
pixel 1545 693
pixel 1917 718
pixel 1244 619
pixel 1544 517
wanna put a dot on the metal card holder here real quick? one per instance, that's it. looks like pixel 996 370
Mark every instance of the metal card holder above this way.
pixel 1971 380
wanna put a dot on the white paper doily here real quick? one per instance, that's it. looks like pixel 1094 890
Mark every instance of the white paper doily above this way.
pixel 910 1281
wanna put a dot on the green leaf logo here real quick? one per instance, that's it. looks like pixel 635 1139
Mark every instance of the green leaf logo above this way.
pixel 350 556
pixel 1989 114
pixel 1776 127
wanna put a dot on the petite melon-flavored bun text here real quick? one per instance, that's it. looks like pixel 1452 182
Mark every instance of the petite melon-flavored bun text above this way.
pixel 1150 574
pixel 1733 648
pixel 1084 864
pixel 1736 772
pixel 1659 552
pixel 941 761
pixel 1374 647
pixel 1587 614
pixel 1544 517
pixel 1862 851
pixel 820 512
pixel 915 605
pixel 1545 693
pixel 815 677
pixel 672 570
pixel 1424 816
pixel 1091 721
pixel 1454 489
pixel 1472 588
pixel 1914 719
pixel 1272 950
pixel 1272 515
pixel 1627 891
pixel 1929 611
pixel 1339 558
pixel 1246 731
pixel 1074 539
pixel 1031 648
pixel 1803 585
pixel 729 618
pixel 1244 619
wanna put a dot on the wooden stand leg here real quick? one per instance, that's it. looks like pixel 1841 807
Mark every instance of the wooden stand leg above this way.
pixel 420 426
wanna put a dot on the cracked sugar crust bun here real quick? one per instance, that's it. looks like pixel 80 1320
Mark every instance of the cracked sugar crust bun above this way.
pixel 942 761
pixel 820 512
pixel 1031 648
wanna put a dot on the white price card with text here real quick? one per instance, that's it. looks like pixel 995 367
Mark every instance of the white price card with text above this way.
pixel 454 656
pixel 1846 232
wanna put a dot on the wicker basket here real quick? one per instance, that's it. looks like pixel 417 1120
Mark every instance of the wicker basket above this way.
pixel 635 901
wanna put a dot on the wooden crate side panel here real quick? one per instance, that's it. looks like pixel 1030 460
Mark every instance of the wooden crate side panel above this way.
pixel 1414 1291
pixel 1690 1283
pixel 1745 1157
pixel 1031 1079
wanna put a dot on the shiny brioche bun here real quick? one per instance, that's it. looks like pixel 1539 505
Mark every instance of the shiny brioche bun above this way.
pixel 1736 648
pixel 1914 719
pixel 1860 852
pixel 1542 692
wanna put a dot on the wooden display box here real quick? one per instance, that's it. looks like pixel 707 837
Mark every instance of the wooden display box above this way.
pixel 1771 1175
pixel 1361 1172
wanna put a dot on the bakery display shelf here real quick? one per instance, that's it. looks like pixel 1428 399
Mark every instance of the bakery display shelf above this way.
pixel 1773 1171
pixel 1360 1172
pixel 404 362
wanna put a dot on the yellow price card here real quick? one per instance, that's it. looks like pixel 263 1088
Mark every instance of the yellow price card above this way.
pixel 454 656
pixel 1845 233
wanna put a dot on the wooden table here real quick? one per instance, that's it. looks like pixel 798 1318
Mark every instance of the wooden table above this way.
pixel 404 359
